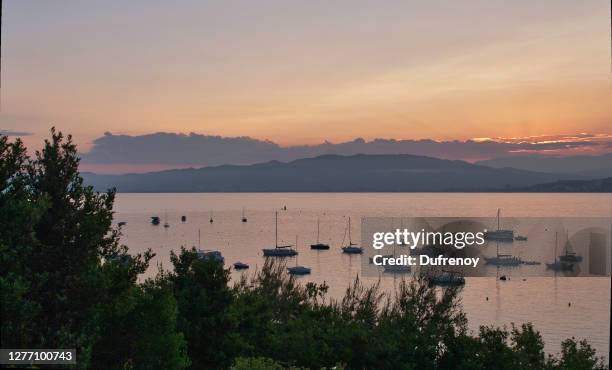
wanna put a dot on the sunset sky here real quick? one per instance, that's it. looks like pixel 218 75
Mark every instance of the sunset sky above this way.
pixel 301 72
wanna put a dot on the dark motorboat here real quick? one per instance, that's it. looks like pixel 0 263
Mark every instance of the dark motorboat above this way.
pixel 298 270
pixel 241 266
pixel 319 245
pixel 155 220
pixel 279 250
pixel 499 235
pixel 183 218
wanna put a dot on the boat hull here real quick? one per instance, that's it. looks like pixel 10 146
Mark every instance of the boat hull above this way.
pixel 298 270
pixel 278 252
pixel 352 250
pixel 319 246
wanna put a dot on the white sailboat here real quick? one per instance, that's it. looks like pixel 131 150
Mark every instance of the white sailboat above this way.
pixel 297 269
pixel 351 248
pixel 501 235
pixel 279 250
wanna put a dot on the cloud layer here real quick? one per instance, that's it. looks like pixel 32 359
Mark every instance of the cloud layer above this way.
pixel 123 153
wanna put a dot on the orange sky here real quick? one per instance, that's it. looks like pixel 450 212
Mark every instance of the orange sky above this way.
pixel 307 72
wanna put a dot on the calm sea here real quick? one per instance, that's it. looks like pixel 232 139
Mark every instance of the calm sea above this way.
pixel 542 301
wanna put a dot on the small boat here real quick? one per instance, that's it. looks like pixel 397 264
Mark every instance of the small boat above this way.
pixel 351 248
pixel 447 278
pixel 166 224
pixel 319 245
pixel 298 270
pixel 207 253
pixel 155 220
pixel 503 259
pixel 520 238
pixel 211 218
pixel 558 264
pixel 241 266
pixel 503 278
pixel 121 223
pixel 570 257
pixel 210 254
pixel 500 234
pixel 183 218
pixel 244 219
pixel 279 250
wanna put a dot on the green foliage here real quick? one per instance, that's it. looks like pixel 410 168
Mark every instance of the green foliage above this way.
pixel 67 282
pixel 203 297
pixel 255 363
pixel 577 356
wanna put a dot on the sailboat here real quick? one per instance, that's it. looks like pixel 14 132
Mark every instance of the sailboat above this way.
pixel 298 270
pixel 570 257
pixel 209 254
pixel 500 234
pixel 503 259
pixel 244 219
pixel 166 224
pixel 319 245
pixel 559 265
pixel 351 248
pixel 278 250
pixel 211 218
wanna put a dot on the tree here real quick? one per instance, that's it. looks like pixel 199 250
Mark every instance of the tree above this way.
pixel 203 298
pixel 66 280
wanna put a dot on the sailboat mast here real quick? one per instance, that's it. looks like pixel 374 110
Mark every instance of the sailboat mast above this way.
pixel 199 239
pixel 498 212
pixel 555 246
pixel 349 232
pixel 276 228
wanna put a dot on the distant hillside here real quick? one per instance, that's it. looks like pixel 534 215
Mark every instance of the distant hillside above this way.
pixel 573 186
pixel 330 173
pixel 597 166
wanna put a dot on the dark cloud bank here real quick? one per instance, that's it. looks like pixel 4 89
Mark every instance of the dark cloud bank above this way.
pixel 180 150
